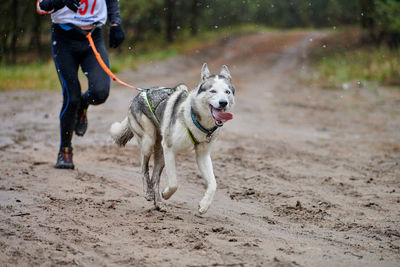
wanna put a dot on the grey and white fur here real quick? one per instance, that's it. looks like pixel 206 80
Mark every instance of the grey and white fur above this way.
pixel 172 107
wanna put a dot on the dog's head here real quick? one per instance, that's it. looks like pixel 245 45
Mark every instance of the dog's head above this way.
pixel 216 94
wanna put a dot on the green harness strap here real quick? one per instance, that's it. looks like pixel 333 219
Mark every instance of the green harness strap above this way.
pixel 150 107
pixel 192 138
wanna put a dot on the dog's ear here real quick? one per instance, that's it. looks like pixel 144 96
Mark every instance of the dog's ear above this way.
pixel 205 72
pixel 225 72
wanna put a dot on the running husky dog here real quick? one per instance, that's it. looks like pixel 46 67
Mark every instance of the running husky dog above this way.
pixel 167 120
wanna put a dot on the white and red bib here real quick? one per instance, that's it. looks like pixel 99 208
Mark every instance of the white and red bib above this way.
pixel 89 12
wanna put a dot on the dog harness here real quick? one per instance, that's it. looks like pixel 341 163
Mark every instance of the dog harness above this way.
pixel 152 109
pixel 191 136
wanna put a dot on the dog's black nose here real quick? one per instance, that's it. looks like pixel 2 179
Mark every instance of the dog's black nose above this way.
pixel 223 103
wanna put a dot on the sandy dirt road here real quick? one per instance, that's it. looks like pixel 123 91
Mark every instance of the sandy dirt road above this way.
pixel 306 176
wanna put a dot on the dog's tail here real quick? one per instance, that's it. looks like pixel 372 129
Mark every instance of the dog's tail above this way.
pixel 121 132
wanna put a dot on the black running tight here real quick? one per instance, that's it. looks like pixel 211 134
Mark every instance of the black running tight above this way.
pixel 70 50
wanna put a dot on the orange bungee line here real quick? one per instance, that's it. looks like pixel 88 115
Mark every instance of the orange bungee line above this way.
pixel 104 66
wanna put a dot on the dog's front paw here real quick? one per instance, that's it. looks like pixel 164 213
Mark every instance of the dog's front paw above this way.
pixel 202 210
pixel 203 207
pixel 168 192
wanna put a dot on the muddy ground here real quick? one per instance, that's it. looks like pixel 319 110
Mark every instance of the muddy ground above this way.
pixel 306 176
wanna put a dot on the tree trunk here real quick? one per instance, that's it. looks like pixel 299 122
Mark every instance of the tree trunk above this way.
pixel 194 17
pixel 3 47
pixel 371 33
pixel 170 20
pixel 367 14
pixel 14 32
pixel 394 36
pixel 35 43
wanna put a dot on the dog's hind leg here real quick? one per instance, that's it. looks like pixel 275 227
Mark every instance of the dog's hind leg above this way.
pixel 170 168
pixel 155 179
pixel 204 163
pixel 149 194
pixel 147 144
pixel 147 141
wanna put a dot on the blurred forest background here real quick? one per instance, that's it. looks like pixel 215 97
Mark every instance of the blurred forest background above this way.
pixel 156 27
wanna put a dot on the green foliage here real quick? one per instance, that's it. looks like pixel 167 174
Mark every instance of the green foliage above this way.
pixel 388 15
pixel 140 15
pixel 374 65
pixel 335 64
pixel 25 34
pixel 304 13
pixel 145 20
pixel 381 22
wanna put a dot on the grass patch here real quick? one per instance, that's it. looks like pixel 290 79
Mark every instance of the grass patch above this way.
pixel 29 76
pixel 131 60
pixel 341 60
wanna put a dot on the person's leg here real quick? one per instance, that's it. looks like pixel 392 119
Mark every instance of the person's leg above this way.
pixel 67 68
pixel 98 81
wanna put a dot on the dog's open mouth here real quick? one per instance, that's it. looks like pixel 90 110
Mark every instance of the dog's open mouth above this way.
pixel 220 116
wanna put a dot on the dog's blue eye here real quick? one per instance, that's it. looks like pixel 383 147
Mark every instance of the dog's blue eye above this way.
pixel 227 92
pixel 213 91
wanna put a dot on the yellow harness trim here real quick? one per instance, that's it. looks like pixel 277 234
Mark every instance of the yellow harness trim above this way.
pixel 192 138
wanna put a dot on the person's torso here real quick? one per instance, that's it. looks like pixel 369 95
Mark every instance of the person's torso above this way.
pixel 89 12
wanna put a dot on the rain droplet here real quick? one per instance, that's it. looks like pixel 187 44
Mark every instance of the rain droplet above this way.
pixel 216 26
pixel 324 46
pixel 178 27
pixel 129 47
pixel 54 42
pixel 310 39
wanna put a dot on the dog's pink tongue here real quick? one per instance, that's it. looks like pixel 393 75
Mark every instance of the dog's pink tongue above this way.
pixel 221 115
